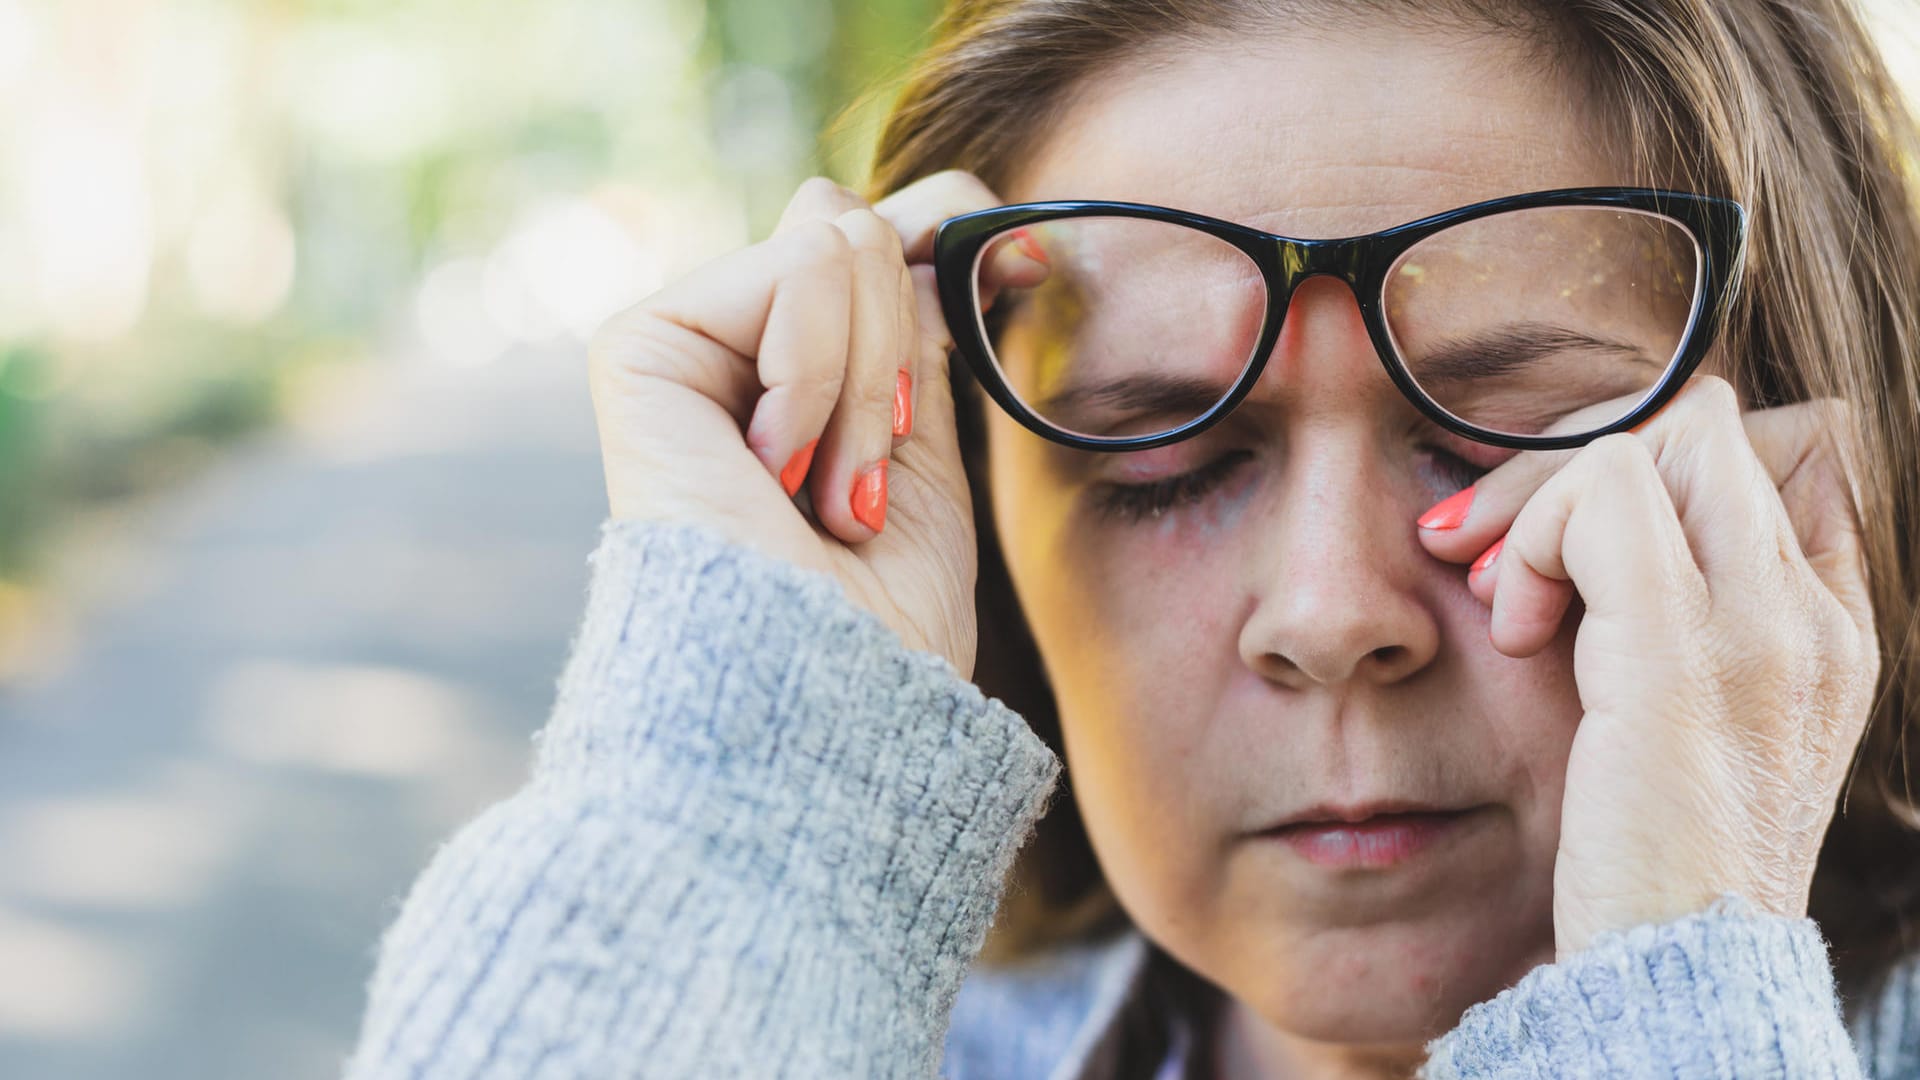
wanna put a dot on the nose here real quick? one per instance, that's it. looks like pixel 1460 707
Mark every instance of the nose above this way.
pixel 1336 593
pixel 1339 572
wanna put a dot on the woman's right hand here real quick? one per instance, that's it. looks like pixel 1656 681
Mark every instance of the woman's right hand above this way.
pixel 782 359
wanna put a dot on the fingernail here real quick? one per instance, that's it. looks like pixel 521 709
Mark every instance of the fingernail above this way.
pixel 870 497
pixel 1449 512
pixel 903 402
pixel 796 469
pixel 1030 247
pixel 1486 557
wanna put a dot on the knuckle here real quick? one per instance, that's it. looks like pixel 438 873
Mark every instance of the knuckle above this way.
pixel 1709 401
pixel 818 384
pixel 1622 455
pixel 871 232
pixel 821 189
pixel 1715 391
pixel 822 244
pixel 625 352
pixel 613 343
pixel 876 394
pixel 963 184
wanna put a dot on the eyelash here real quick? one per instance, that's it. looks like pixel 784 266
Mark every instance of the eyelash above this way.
pixel 1137 502
pixel 1458 469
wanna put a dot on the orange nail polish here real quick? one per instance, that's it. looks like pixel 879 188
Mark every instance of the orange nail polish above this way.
pixel 1030 247
pixel 870 497
pixel 796 469
pixel 1486 557
pixel 1449 512
pixel 903 402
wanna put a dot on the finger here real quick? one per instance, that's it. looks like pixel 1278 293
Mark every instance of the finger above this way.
pixel 937 336
pixel 1718 493
pixel 817 198
pixel 1607 525
pixel 1462 527
pixel 761 330
pixel 1804 448
pixel 933 419
pixel 1727 504
pixel 1017 259
pixel 910 349
pixel 1528 609
pixel 916 210
pixel 821 199
pixel 849 480
pixel 1715 483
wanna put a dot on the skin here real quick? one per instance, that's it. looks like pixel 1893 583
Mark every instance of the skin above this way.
pixel 1649 698
pixel 1287 640
pixel 1290 642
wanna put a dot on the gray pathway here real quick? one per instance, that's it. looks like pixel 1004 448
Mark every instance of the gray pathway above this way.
pixel 309 667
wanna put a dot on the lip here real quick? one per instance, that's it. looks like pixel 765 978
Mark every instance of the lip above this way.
pixel 1376 841
pixel 1328 813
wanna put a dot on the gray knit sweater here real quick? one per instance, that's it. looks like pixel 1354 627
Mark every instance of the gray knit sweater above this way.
pixel 763 838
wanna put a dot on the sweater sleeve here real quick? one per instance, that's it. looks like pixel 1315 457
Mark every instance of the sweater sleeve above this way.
pixel 1730 992
pixel 762 837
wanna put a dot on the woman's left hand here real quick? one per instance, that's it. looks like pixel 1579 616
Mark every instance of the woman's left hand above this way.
pixel 1726 659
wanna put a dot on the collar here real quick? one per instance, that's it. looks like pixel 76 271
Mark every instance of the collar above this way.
pixel 1115 1009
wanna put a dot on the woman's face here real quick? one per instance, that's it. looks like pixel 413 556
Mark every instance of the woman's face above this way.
pixel 1285 641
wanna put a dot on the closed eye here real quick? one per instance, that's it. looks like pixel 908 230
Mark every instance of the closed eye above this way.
pixel 1133 503
pixel 1137 502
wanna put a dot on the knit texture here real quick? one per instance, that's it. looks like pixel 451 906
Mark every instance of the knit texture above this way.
pixel 1729 992
pixel 761 837
pixel 1886 1029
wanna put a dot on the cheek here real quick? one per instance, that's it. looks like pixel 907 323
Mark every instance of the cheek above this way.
pixel 1533 733
pixel 1152 797
pixel 1136 628
pixel 1153 760
pixel 1139 666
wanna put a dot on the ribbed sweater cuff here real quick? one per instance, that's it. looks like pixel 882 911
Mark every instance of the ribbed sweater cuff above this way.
pixel 748 704
pixel 1731 991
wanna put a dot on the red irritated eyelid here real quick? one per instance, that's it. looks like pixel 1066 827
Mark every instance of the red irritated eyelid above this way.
pixel 1147 466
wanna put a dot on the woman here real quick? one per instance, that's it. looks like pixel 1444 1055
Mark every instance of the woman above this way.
pixel 1391 751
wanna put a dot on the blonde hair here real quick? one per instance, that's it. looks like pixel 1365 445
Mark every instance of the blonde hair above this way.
pixel 1782 104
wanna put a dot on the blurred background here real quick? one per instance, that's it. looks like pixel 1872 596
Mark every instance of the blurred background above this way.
pixel 298 471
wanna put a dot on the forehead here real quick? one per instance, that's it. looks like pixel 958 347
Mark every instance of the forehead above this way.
pixel 1320 134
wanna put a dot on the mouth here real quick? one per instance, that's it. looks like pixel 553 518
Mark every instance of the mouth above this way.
pixel 1369 837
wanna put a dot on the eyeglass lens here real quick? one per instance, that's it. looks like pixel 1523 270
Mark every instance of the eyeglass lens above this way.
pixel 1532 321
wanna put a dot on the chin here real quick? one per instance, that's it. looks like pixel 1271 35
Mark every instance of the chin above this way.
pixel 1390 984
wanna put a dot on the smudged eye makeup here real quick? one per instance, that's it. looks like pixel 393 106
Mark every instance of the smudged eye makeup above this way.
pixel 1132 503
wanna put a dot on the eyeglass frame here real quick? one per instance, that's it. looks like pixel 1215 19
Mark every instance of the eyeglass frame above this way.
pixel 1718 227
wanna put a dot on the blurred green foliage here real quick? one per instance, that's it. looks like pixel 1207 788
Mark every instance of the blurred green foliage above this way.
pixel 366 181
pixel 200 198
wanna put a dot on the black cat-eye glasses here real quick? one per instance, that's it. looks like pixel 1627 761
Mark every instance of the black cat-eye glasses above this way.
pixel 1535 321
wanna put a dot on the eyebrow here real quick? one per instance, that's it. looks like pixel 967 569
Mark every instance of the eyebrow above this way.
pixel 1501 350
pixel 1141 393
